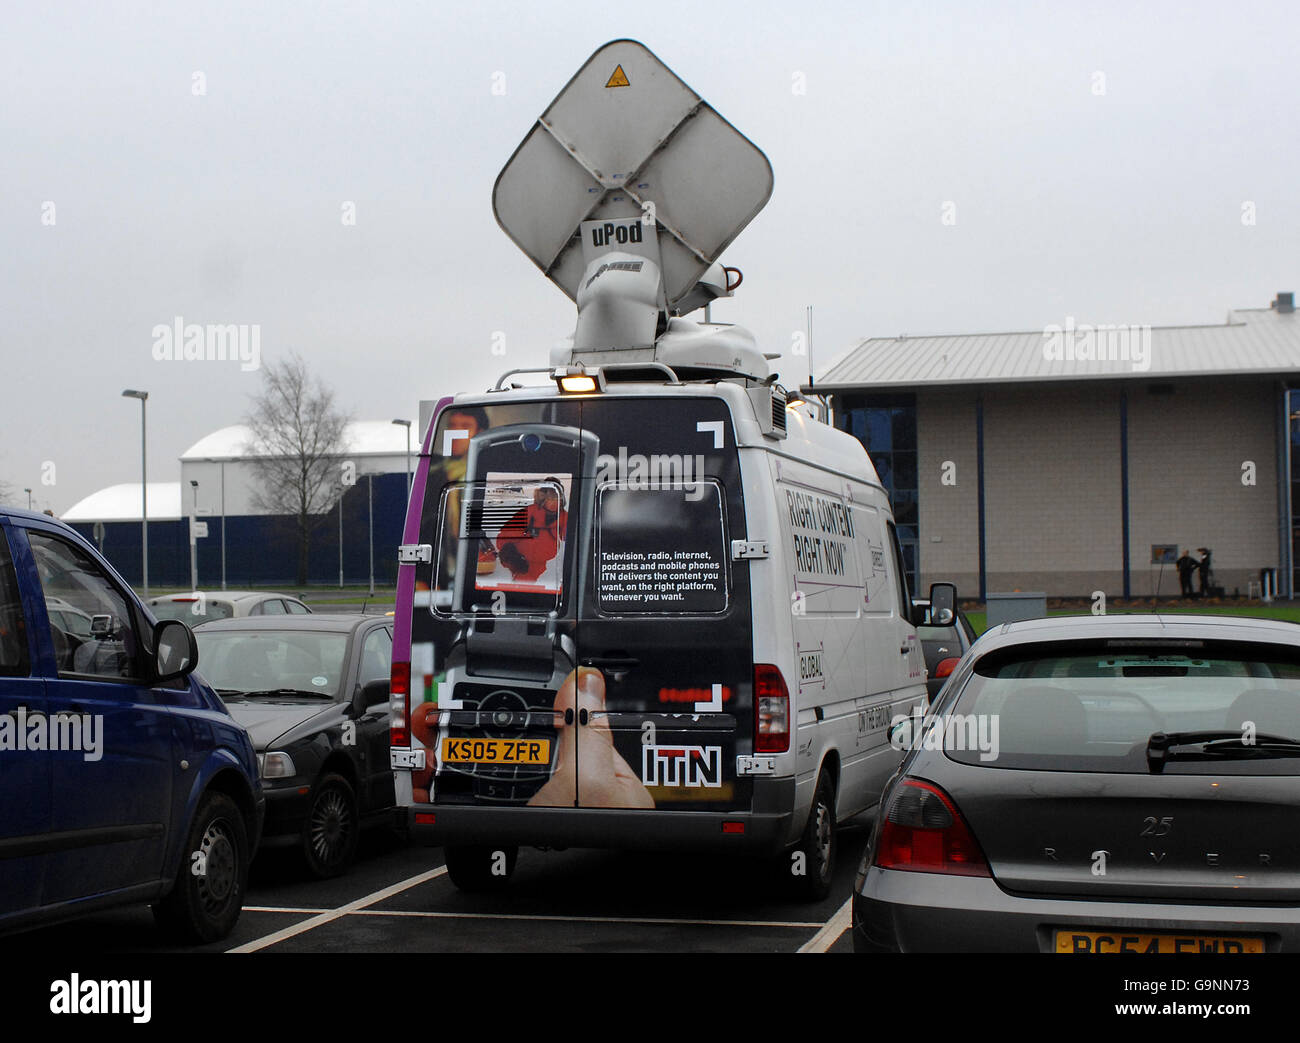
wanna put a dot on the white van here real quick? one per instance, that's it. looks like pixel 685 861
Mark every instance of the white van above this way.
pixel 653 602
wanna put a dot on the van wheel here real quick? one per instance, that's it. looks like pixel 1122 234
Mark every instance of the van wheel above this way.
pixel 205 902
pixel 816 846
pixel 329 836
pixel 480 868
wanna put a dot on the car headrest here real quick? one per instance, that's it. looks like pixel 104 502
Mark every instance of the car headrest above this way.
pixel 1273 711
pixel 1043 719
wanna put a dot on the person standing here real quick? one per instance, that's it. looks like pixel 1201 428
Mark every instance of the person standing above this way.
pixel 1186 565
pixel 1203 567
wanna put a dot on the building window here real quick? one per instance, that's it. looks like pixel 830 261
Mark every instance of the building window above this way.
pixel 886 426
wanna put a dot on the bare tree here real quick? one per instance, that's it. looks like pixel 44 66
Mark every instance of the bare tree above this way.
pixel 298 436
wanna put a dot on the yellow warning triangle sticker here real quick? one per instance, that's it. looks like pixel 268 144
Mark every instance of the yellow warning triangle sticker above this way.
pixel 618 78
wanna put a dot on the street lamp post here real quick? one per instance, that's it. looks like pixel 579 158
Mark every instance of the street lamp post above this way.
pixel 222 464
pixel 370 481
pixel 29 497
pixel 342 489
pixel 407 424
pixel 143 396
pixel 223 524
pixel 194 541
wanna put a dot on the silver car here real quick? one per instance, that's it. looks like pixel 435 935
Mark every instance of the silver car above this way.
pixel 196 607
pixel 1097 784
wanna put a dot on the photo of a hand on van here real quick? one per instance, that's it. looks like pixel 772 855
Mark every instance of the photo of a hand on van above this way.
pixel 604 776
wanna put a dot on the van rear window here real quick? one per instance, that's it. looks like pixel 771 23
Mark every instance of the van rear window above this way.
pixel 662 548
pixel 507 535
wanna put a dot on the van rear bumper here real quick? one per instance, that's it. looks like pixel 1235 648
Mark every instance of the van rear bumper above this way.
pixel 767 826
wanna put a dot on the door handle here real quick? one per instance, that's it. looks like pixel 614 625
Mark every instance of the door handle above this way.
pixel 905 649
pixel 618 666
pixel 568 715
pixel 582 716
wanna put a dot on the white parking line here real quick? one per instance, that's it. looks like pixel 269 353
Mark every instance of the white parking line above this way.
pixel 343 910
pixel 282 909
pixel 831 930
pixel 798 925
pixel 590 919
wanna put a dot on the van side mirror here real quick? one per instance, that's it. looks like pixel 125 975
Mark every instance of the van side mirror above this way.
pixel 176 653
pixel 943 604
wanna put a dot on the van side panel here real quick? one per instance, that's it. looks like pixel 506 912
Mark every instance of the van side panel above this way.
pixel 850 657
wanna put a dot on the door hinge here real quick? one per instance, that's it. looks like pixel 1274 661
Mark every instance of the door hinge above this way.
pixel 744 550
pixel 402 758
pixel 415 554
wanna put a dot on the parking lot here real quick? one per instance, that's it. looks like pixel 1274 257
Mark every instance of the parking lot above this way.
pixel 397 898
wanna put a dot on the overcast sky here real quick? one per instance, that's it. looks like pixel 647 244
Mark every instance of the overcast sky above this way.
pixel 1098 160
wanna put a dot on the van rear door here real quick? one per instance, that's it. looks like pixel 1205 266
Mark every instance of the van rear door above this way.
pixel 493 638
pixel 664 625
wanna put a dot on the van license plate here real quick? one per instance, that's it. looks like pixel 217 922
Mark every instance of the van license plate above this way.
pixel 496 751
pixel 1115 941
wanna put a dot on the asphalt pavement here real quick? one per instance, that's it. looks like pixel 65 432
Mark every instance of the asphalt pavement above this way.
pixel 398 898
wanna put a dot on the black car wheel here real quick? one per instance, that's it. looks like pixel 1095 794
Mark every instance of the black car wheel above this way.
pixel 332 828
pixel 480 868
pixel 205 902
pixel 812 863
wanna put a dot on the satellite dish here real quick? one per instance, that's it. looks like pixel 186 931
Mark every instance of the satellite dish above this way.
pixel 627 141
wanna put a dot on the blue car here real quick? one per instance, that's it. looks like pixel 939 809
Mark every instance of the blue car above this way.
pixel 123 778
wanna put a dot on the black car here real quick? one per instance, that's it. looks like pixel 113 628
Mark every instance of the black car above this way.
pixel 943 645
pixel 313 693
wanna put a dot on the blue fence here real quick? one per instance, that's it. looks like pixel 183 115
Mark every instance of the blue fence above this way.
pixel 262 551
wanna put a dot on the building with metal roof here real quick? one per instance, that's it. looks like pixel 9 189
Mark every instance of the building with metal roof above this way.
pixel 115 503
pixel 1070 459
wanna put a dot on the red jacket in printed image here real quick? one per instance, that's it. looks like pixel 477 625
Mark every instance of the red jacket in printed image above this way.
pixel 529 541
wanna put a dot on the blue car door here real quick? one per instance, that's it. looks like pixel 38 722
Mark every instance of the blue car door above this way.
pixel 112 755
pixel 25 788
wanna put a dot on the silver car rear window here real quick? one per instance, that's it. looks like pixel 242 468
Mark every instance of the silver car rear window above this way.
pixel 1095 708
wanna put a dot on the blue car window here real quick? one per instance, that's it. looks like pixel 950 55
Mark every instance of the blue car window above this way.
pixel 71 576
pixel 13 630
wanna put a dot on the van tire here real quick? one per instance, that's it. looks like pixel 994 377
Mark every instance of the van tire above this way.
pixel 817 846
pixel 204 907
pixel 471 867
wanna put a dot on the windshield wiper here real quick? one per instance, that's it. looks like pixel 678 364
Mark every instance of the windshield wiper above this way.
pixel 1162 747
pixel 291 691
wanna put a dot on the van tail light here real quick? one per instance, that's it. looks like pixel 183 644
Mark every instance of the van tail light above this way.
pixel 946 666
pixel 925 833
pixel 399 693
pixel 771 710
